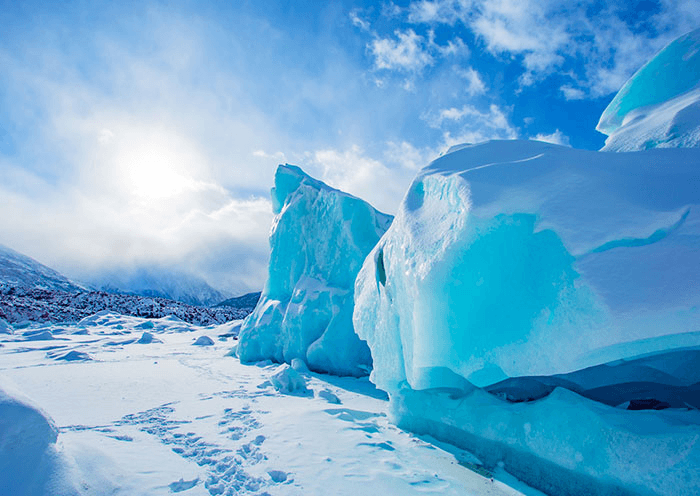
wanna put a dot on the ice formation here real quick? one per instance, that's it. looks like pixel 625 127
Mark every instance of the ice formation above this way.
pixel 659 107
pixel 320 237
pixel 520 258
pixel 515 265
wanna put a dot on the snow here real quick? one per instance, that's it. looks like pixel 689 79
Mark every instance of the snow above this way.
pixel 519 258
pixel 203 341
pixel 17 269
pixel 5 328
pixel 26 434
pixel 659 106
pixel 174 418
pixel 320 237
pixel 22 304
pixel 563 282
pixel 288 381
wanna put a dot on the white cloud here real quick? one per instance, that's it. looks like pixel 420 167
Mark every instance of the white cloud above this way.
pixel 475 84
pixel 556 138
pixel 406 52
pixel 358 21
pixel 434 11
pixel 548 35
pixel 468 124
pixel 355 172
pixel 572 93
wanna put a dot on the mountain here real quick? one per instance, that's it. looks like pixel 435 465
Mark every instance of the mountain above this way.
pixel 20 270
pixel 160 283
pixel 247 301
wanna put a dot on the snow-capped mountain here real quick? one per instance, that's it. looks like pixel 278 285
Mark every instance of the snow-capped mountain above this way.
pixel 20 270
pixel 160 283
pixel 21 304
pixel 247 301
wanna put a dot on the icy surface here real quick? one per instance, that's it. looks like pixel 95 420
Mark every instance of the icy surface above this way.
pixel 171 418
pixel 659 107
pixel 518 258
pixel 564 443
pixel 320 237
pixel 565 283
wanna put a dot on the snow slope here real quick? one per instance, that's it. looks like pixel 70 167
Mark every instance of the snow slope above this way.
pixel 659 106
pixel 320 237
pixel 159 283
pixel 162 416
pixel 20 270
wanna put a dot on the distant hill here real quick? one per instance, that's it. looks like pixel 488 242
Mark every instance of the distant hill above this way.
pixel 245 302
pixel 33 292
pixel 157 282
pixel 17 270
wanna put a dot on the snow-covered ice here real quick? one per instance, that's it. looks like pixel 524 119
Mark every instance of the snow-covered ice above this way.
pixel 517 265
pixel 174 418
pixel 659 106
pixel 515 258
pixel 320 237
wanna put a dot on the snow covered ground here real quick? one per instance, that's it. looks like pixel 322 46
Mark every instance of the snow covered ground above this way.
pixel 141 409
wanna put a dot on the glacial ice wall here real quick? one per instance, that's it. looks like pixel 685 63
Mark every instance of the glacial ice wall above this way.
pixel 530 299
pixel 659 106
pixel 320 237
pixel 520 258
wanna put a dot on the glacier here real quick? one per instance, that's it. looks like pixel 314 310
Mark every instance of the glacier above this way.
pixel 659 106
pixel 320 237
pixel 526 303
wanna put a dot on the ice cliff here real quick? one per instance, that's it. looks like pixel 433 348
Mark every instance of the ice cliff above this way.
pixel 546 275
pixel 320 237
pixel 659 107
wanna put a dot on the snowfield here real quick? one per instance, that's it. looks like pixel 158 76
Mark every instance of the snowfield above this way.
pixel 140 410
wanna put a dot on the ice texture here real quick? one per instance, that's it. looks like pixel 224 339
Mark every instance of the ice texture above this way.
pixel 320 237
pixel 659 106
pixel 519 258
pixel 565 443
pixel 528 299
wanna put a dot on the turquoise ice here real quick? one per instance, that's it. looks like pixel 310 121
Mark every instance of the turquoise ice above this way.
pixel 528 297
pixel 320 237
pixel 658 107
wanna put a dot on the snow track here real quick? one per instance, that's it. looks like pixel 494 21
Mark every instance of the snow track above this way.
pixel 163 416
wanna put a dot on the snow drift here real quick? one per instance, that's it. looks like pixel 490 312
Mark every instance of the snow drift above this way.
pixel 27 438
pixel 320 237
pixel 659 107
pixel 515 265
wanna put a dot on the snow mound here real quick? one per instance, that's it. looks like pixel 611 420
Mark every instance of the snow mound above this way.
pixel 5 328
pixel 147 338
pixel 203 341
pixel 319 238
pixel 38 335
pixel 288 381
pixel 658 107
pixel 520 258
pixel 69 356
pixel 26 437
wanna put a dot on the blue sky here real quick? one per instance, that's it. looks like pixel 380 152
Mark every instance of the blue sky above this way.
pixel 147 133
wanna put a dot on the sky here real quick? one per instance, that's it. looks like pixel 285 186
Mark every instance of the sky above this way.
pixel 147 134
